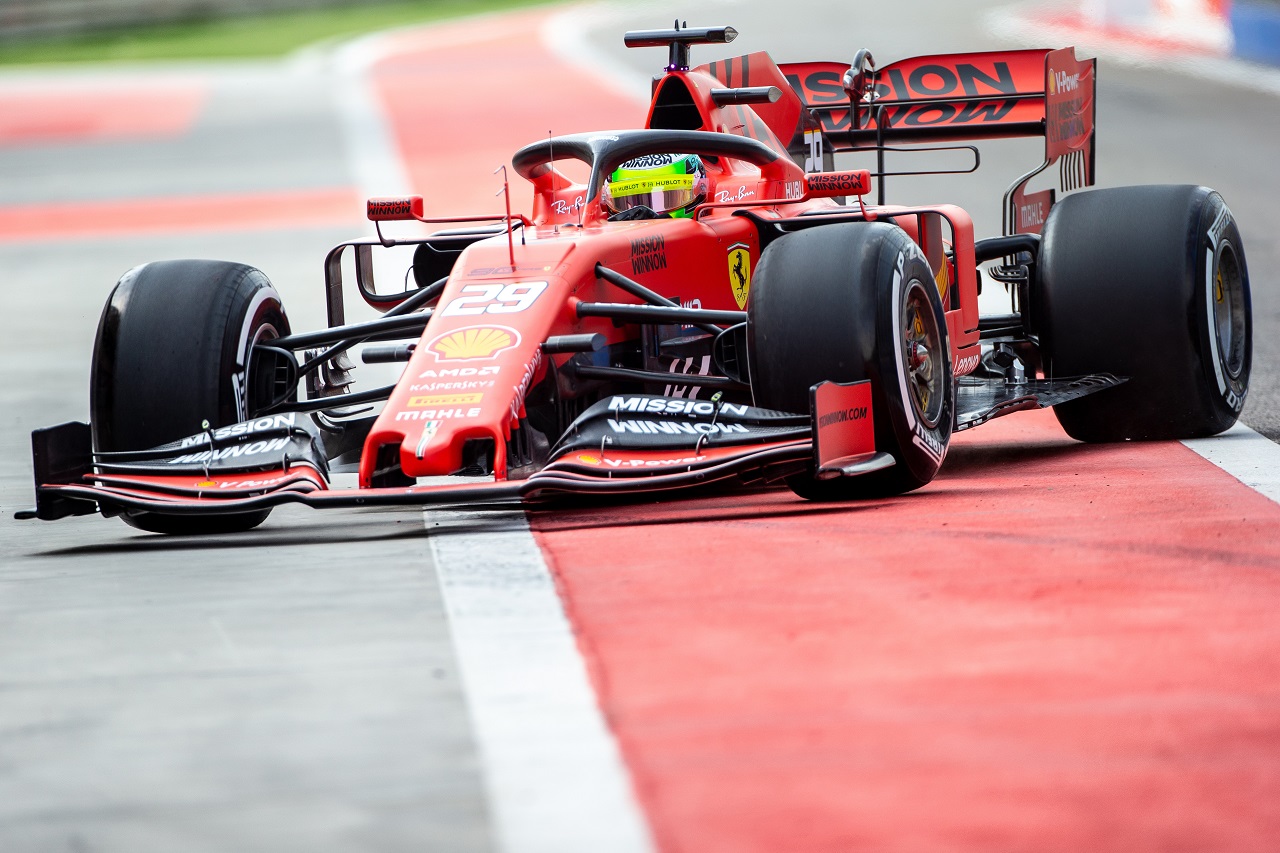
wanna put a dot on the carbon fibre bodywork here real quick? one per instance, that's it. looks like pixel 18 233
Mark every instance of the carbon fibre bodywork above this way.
pixel 565 350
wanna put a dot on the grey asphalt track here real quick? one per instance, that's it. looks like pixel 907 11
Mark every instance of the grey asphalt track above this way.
pixel 295 688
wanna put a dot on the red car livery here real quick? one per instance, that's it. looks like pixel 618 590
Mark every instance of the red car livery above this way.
pixel 786 329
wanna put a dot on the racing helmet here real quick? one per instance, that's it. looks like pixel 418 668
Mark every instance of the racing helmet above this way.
pixel 670 184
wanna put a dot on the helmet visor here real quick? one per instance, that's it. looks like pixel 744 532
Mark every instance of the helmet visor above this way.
pixel 661 193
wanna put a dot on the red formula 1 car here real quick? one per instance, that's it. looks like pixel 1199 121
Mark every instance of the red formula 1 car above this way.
pixel 714 301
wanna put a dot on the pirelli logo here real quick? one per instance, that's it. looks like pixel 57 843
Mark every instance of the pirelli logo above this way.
pixel 433 400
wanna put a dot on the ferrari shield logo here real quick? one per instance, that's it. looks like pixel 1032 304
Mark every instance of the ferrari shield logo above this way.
pixel 740 272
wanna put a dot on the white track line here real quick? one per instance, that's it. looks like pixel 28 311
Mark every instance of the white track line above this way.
pixel 372 153
pixel 1244 454
pixel 566 35
pixel 554 777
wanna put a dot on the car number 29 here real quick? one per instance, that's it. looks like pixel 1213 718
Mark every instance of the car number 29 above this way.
pixel 494 299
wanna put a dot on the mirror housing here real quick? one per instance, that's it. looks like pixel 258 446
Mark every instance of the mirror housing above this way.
pixel 395 209
pixel 834 184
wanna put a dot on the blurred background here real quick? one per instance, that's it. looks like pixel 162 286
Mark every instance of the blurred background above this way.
pixel 52 30
pixel 81 30
pixel 297 688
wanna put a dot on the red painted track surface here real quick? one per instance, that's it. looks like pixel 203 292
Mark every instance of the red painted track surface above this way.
pixel 337 206
pixel 1036 652
pixel 449 148
pixel 130 110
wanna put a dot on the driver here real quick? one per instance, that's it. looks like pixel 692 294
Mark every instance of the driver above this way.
pixel 656 185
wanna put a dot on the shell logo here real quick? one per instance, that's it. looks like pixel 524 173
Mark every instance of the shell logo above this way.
pixel 943 280
pixel 473 342
pixel 588 460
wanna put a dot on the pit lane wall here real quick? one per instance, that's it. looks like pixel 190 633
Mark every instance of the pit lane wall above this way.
pixel 26 18
pixel 1245 29
pixel 1255 27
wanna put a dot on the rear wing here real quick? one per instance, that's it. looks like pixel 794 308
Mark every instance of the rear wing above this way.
pixel 960 97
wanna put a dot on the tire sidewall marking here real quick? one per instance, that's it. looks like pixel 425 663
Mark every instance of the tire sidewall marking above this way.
pixel 899 356
pixel 248 325
pixel 1216 236
pixel 929 442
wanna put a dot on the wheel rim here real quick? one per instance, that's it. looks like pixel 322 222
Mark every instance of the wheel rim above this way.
pixel 263 386
pixel 1229 310
pixel 923 356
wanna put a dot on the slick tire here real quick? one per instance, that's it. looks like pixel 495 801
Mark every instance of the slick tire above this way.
pixel 852 302
pixel 172 351
pixel 1149 283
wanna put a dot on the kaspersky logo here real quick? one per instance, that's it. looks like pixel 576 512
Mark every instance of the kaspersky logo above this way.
pixel 473 342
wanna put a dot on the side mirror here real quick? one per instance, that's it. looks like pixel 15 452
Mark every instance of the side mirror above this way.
pixel 833 184
pixel 394 209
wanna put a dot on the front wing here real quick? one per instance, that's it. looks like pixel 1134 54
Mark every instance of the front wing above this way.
pixel 623 445
pixel 620 473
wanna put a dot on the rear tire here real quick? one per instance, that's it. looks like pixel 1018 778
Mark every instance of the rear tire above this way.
pixel 173 350
pixel 852 302
pixel 1149 283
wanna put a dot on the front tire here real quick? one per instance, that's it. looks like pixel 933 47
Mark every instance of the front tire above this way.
pixel 852 302
pixel 174 349
pixel 1148 283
